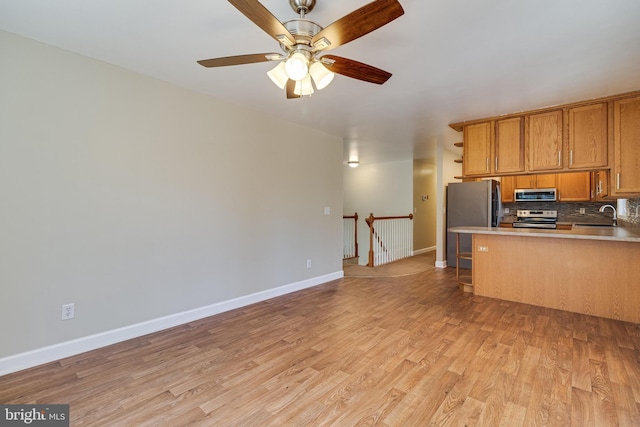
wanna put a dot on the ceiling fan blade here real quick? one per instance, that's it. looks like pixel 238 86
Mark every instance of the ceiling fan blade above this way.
pixel 239 59
pixel 256 12
pixel 358 23
pixel 355 69
pixel 291 85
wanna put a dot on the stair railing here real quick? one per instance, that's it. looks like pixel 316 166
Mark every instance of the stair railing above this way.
pixel 350 236
pixel 390 240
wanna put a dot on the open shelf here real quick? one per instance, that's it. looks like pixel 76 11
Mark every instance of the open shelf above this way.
pixel 463 275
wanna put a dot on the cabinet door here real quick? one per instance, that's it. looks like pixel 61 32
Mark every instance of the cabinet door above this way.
pixel 546 180
pixel 626 146
pixel 574 187
pixel 526 181
pixel 588 136
pixel 545 141
pixel 509 145
pixel 599 185
pixel 476 149
pixel 507 185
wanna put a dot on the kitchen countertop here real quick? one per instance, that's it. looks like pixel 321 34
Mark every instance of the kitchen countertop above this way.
pixel 617 234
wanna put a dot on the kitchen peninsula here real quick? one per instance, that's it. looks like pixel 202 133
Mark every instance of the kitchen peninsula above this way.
pixel 592 270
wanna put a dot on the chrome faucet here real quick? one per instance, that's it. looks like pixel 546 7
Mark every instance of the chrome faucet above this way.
pixel 615 217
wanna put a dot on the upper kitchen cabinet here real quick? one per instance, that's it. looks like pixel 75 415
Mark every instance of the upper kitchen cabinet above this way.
pixel 588 136
pixel 599 185
pixel 476 149
pixel 547 180
pixel 545 141
pixel 574 187
pixel 509 146
pixel 494 147
pixel 626 148
pixel 507 187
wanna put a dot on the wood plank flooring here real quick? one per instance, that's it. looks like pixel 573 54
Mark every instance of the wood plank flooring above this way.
pixel 400 351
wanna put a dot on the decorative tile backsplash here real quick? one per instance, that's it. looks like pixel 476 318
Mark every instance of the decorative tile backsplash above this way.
pixel 570 212
pixel 633 211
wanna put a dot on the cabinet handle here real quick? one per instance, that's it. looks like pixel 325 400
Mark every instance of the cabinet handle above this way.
pixel 559 158
pixel 496 163
pixel 487 165
pixel 571 158
pixel 600 187
pixel 618 181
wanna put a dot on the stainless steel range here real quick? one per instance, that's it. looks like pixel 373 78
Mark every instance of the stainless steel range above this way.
pixel 536 219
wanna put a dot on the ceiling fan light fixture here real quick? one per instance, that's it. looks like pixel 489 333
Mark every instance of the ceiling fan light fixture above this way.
pixel 297 66
pixel 321 76
pixel 278 75
pixel 304 86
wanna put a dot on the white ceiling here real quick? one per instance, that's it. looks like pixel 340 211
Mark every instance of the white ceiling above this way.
pixel 452 60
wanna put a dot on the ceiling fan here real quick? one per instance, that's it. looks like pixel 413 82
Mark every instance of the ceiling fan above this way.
pixel 304 42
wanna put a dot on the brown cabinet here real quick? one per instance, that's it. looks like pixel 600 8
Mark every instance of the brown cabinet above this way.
pixel 600 135
pixel 525 181
pixel 547 180
pixel 588 136
pixel 599 185
pixel 574 187
pixel 477 149
pixel 509 146
pixel 625 178
pixel 545 141
pixel 507 186
pixel 494 147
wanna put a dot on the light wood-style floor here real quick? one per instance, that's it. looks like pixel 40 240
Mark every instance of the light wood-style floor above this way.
pixel 401 351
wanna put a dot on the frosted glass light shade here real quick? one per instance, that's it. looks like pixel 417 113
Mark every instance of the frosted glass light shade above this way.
pixel 278 75
pixel 304 86
pixel 321 76
pixel 297 66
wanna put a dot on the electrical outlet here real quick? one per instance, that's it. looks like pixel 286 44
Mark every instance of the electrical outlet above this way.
pixel 506 210
pixel 68 311
pixel 308 263
pixel 582 211
pixel 327 210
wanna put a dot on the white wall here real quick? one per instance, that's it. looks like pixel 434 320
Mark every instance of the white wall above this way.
pixel 136 200
pixel 447 172
pixel 384 189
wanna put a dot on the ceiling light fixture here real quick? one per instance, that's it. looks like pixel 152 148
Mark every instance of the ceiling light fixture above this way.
pixel 278 75
pixel 304 86
pixel 297 66
pixel 321 76
pixel 353 163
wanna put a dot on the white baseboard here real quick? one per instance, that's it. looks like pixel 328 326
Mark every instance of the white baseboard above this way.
pixel 423 250
pixel 441 264
pixel 54 352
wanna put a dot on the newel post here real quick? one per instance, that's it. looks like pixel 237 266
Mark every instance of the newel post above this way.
pixel 369 222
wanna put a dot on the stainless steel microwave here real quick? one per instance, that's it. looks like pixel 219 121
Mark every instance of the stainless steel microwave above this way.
pixel 535 195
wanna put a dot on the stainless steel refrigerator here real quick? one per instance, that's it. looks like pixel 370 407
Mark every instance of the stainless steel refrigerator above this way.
pixel 471 204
